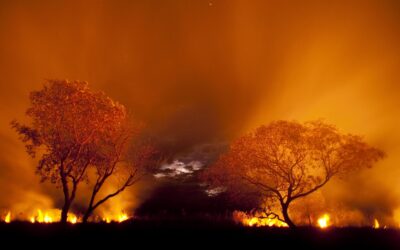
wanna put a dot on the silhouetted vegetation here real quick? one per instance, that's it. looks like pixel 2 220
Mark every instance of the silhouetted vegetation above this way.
pixel 284 161
pixel 74 129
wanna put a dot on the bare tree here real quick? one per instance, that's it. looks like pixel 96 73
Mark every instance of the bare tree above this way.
pixel 68 122
pixel 285 161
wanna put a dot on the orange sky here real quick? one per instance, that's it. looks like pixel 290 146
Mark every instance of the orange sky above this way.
pixel 205 71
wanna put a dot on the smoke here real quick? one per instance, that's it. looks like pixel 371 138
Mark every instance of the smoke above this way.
pixel 202 74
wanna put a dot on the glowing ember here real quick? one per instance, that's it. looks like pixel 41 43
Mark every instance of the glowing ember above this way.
pixel 323 222
pixel 7 219
pixel 376 224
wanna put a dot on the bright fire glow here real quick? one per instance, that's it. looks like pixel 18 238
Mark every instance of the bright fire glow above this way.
pixel 262 222
pixel 72 219
pixel 54 215
pixel 323 222
pixel 7 219
pixel 257 220
pixel 41 218
pixel 51 216
pixel 122 217
pixel 116 218
pixel 376 224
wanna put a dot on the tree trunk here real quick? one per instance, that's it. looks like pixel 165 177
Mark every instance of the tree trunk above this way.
pixel 64 212
pixel 87 214
pixel 67 202
pixel 286 217
pixel 90 208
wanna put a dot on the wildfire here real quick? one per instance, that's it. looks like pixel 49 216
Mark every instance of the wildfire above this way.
pixel 323 221
pixel 261 222
pixel 72 219
pixel 257 220
pixel 51 216
pixel 54 215
pixel 117 218
pixel 376 224
pixel 7 219
pixel 122 217
pixel 41 218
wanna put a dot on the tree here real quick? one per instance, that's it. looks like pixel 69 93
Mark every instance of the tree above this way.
pixel 112 160
pixel 69 122
pixel 285 161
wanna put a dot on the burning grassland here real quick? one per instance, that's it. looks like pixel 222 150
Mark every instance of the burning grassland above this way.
pixel 258 219
pixel 54 216
pixel 326 220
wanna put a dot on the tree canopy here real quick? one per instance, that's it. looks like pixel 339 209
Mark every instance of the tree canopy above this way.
pixel 73 128
pixel 286 160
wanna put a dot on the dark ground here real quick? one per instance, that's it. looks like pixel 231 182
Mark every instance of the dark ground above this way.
pixel 188 234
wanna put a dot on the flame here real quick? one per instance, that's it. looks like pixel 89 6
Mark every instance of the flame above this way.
pixel 257 220
pixel 376 224
pixel 116 218
pixel 7 219
pixel 73 219
pixel 41 218
pixel 51 216
pixel 122 217
pixel 262 222
pixel 323 221
pixel 54 215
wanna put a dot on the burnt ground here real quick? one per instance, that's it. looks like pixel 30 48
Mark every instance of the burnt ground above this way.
pixel 194 233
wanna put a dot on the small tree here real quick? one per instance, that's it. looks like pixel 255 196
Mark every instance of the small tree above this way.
pixel 69 123
pixel 285 161
pixel 112 160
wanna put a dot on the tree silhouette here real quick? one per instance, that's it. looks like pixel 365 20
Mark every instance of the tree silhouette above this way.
pixel 112 160
pixel 284 161
pixel 69 123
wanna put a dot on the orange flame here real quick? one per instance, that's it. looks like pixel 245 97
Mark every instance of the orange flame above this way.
pixel 323 221
pixel 116 218
pixel 257 220
pixel 376 224
pixel 122 217
pixel 7 219
pixel 51 216
pixel 54 215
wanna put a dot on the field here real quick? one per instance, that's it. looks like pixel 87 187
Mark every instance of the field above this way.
pixel 196 233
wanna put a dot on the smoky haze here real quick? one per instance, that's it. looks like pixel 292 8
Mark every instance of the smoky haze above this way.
pixel 203 72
